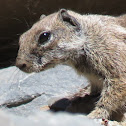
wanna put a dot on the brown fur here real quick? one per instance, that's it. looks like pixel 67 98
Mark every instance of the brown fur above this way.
pixel 94 45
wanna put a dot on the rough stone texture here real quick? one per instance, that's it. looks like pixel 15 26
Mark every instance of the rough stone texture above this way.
pixel 18 86
pixel 46 119
pixel 57 82
pixel 18 15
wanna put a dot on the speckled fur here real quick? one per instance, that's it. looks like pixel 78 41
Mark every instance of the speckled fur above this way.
pixel 97 50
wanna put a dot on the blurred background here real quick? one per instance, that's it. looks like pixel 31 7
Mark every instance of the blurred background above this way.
pixel 17 16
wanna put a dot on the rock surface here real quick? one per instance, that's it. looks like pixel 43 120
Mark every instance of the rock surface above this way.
pixel 46 119
pixel 18 87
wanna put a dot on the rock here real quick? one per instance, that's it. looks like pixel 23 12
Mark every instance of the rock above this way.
pixel 24 94
pixel 24 97
pixel 46 119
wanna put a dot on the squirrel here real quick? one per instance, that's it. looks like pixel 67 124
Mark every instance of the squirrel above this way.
pixel 94 45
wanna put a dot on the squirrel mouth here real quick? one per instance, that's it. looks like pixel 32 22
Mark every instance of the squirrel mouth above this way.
pixel 39 61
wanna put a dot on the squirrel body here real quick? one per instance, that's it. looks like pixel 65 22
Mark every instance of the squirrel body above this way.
pixel 94 45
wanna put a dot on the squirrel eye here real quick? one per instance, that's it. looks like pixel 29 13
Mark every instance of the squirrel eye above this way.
pixel 44 37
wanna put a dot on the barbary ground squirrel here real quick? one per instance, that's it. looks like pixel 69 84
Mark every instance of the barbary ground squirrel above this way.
pixel 94 45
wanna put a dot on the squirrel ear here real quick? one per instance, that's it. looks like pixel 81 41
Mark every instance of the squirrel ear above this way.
pixel 42 16
pixel 67 18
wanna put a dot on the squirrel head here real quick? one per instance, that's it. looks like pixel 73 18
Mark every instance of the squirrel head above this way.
pixel 85 42
pixel 50 41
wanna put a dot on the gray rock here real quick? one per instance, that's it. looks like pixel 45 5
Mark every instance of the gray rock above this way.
pixel 46 119
pixel 57 82
pixel 33 91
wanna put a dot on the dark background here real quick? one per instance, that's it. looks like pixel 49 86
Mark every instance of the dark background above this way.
pixel 18 15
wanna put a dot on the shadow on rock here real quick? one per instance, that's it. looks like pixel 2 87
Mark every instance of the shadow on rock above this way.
pixel 82 103
pixel 76 105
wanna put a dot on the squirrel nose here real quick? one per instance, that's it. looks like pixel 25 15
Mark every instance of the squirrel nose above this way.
pixel 21 64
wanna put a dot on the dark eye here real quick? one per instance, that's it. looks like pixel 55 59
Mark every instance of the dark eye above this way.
pixel 44 37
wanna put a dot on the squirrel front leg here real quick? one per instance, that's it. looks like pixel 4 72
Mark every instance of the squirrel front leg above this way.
pixel 113 97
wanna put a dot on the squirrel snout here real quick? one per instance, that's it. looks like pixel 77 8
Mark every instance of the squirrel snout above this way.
pixel 21 64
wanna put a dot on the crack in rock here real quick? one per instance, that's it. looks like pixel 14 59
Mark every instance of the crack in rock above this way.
pixel 27 99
